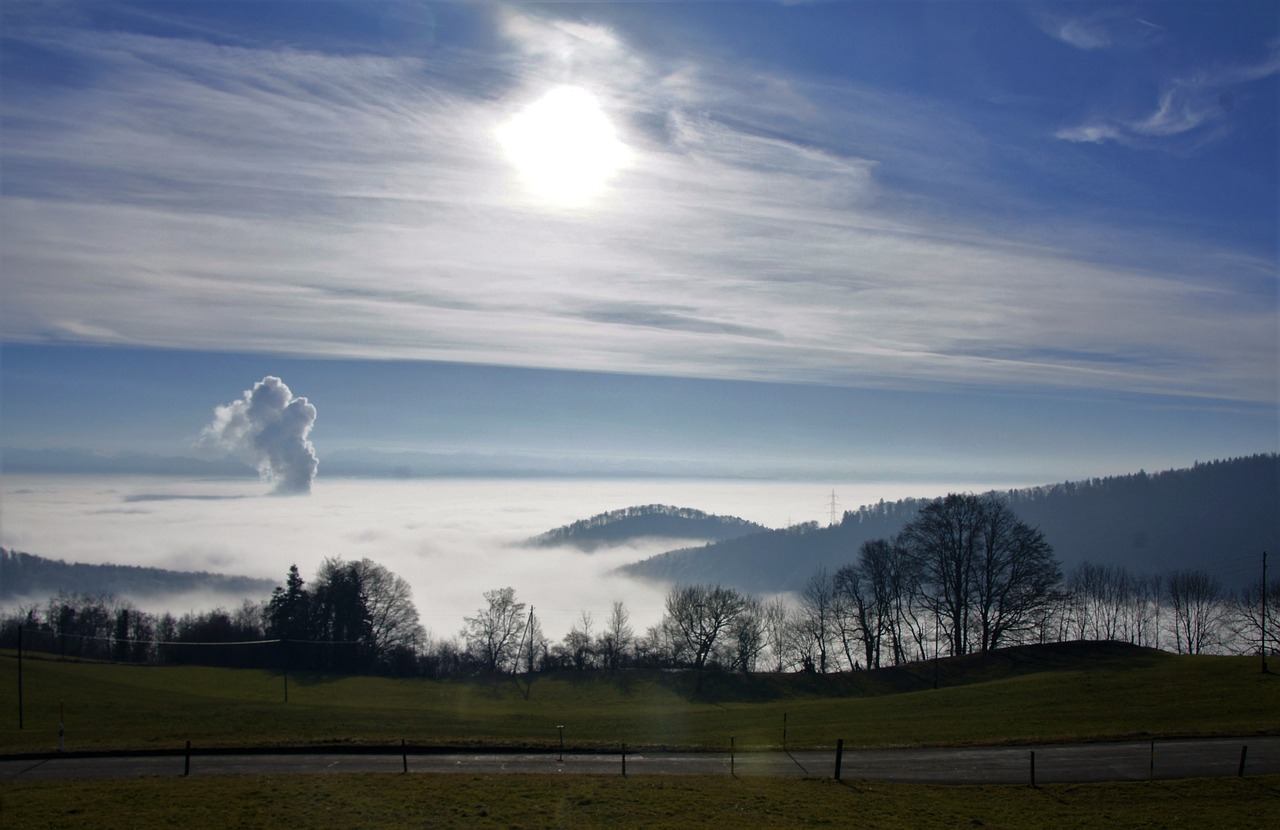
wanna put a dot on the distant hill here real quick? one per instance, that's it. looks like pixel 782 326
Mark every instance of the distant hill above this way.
pixel 652 521
pixel 17 460
pixel 24 575
pixel 1150 523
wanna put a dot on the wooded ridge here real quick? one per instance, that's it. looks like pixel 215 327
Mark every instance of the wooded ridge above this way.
pixel 651 521
pixel 25 575
pixel 1187 518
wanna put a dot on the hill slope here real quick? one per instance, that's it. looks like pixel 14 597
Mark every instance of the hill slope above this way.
pixel 24 575
pixel 652 521
pixel 1150 523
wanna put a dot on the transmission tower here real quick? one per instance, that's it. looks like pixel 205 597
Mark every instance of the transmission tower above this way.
pixel 833 504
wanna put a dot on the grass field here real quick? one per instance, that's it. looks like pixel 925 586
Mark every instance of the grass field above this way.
pixel 1057 693
pixel 515 801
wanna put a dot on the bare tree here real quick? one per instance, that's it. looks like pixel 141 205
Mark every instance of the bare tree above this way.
pixel 856 621
pixel 697 616
pixel 747 635
pixel 1197 600
pixel 816 623
pixel 986 572
pixel 777 630
pixel 1014 577
pixel 393 618
pixel 1098 596
pixel 871 596
pixel 616 640
pixel 1254 632
pixel 578 644
pixel 943 538
pixel 493 634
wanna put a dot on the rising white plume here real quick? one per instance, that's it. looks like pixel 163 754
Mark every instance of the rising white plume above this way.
pixel 268 427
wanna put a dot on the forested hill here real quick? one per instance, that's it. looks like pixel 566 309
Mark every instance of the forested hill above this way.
pixel 652 521
pixel 1150 523
pixel 26 576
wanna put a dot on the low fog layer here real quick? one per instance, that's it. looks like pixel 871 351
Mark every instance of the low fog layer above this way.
pixel 452 539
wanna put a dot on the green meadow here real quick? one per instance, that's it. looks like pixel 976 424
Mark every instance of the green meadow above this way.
pixel 1063 692
pixel 584 801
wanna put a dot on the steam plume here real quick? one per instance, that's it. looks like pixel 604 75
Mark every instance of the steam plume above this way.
pixel 268 427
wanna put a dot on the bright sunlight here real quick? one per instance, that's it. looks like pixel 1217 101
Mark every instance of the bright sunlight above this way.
pixel 564 146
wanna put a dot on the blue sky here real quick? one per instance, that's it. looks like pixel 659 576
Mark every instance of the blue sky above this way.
pixel 1006 242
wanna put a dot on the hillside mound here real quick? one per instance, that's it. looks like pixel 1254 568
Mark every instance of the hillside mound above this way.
pixel 652 521
pixel 25 575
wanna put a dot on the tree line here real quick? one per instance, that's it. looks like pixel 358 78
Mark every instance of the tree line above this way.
pixel 965 575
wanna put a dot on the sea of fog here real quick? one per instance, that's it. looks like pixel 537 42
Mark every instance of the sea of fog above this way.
pixel 452 539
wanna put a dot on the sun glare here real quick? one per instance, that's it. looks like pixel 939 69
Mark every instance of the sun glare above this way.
pixel 564 146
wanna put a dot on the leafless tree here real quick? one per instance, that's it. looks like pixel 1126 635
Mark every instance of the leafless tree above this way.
pixel 777 631
pixel 616 640
pixel 873 595
pixel 389 601
pixel 1197 601
pixel 697 616
pixel 943 539
pixel 856 618
pixel 493 634
pixel 578 643
pixel 986 572
pixel 1251 630
pixel 1014 576
pixel 816 625
pixel 747 635
pixel 1100 594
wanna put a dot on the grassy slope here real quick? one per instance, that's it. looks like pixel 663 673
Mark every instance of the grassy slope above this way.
pixel 1065 692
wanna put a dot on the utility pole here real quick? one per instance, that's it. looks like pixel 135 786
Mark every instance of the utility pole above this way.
pixel 531 632
pixel 20 721
pixel 1264 612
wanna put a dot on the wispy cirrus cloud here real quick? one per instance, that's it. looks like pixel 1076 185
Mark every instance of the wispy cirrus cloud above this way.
pixel 288 201
pixel 1108 27
pixel 1190 110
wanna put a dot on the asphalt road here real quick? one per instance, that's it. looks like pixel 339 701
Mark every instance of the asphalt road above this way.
pixel 1128 761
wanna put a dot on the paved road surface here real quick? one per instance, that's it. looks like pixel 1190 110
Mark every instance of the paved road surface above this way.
pixel 1132 761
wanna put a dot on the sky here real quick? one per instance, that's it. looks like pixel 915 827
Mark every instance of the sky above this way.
pixel 974 242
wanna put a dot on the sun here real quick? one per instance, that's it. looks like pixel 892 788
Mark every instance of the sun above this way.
pixel 564 146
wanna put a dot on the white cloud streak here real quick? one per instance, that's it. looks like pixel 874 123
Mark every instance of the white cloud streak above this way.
pixel 281 201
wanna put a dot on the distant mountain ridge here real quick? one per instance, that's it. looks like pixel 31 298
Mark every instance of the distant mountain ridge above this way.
pixel 25 575
pixel 1196 517
pixel 650 521
pixel 72 461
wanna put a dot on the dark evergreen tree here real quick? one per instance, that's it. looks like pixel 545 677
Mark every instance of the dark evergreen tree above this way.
pixel 289 612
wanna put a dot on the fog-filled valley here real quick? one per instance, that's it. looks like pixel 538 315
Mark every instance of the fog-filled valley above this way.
pixel 452 540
